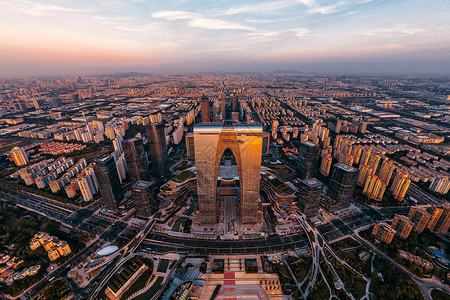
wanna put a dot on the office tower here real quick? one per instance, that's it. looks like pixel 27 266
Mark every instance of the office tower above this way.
pixel 19 156
pixel 234 103
pixel 373 162
pixel 440 184
pixel 217 116
pixel 222 103
pixel 402 225
pixel 308 156
pixel 245 142
pixel 143 198
pixel 310 192
pixel 265 142
pixel 443 224
pixel 190 152
pixel 400 185
pixel 364 173
pixel 158 149
pixel 342 183
pixel 374 188
pixel 386 170
pixel 436 213
pixel 419 217
pixel 365 156
pixel 325 165
pixel 136 159
pixel 205 109
pixel 108 181
pixel 383 232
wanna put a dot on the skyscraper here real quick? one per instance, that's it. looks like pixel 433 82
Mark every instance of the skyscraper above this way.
pixel 143 198
pixel 205 109
pixel 342 183
pixel 245 142
pixel 158 148
pixel 310 192
pixel 108 181
pixel 402 225
pixel 222 103
pixel 419 217
pixel 19 156
pixel 308 156
pixel 136 158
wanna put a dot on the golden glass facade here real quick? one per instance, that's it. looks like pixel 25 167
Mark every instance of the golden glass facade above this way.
pixel 245 141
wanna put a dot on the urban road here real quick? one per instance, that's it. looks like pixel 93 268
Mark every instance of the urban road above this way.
pixel 163 243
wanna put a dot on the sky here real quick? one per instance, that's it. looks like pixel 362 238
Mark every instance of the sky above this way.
pixel 55 37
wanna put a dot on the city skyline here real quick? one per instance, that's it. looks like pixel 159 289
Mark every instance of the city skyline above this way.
pixel 359 36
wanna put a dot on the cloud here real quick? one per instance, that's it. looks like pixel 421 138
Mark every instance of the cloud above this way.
pixel 328 9
pixel 196 20
pixel 173 15
pixel 267 7
pixel 38 9
pixel 393 31
pixel 104 19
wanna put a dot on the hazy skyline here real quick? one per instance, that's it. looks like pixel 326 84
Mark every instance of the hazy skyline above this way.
pixel 45 37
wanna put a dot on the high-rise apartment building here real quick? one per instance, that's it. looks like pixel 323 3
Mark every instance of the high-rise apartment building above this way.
pixel 245 142
pixel 356 153
pixel 374 188
pixel 443 224
pixel 440 184
pixel 402 225
pixel 19 156
pixel 419 217
pixel 435 214
pixel 143 198
pixel 364 173
pixel 310 192
pixel 158 148
pixel 383 232
pixel 308 156
pixel 325 165
pixel 136 158
pixel 108 181
pixel 373 162
pixel 342 183
pixel 386 170
pixel 400 185
pixel 365 156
